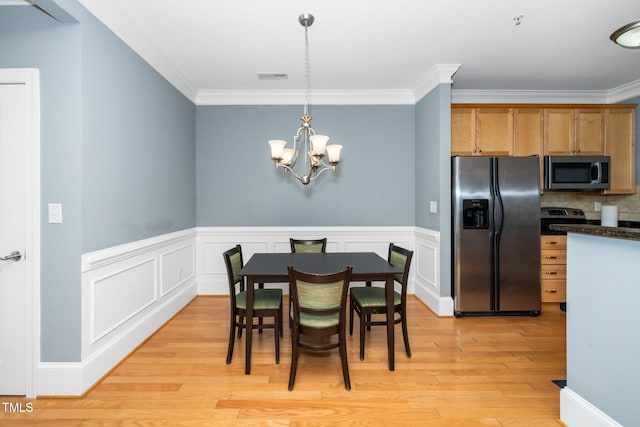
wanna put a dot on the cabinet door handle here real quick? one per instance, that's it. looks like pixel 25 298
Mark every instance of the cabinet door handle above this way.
pixel 551 257
pixel 551 272
pixel 551 291
pixel 551 242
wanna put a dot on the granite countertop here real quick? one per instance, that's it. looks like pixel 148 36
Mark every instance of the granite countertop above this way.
pixel 598 230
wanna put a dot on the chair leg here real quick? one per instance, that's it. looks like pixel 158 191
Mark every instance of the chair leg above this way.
pixel 294 358
pixel 405 334
pixel 343 357
pixel 277 318
pixel 260 325
pixel 232 338
pixel 240 329
pixel 281 320
pixel 363 316
pixel 351 308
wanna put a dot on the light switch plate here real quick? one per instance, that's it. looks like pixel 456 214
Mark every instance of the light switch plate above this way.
pixel 55 213
pixel 433 206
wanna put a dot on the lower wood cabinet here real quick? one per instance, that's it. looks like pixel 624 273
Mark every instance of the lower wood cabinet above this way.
pixel 553 268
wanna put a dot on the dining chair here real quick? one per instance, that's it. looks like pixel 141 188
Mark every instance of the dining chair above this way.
pixel 266 303
pixel 370 300
pixel 319 314
pixel 309 245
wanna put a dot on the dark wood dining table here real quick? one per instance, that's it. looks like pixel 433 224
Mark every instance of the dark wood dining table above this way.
pixel 272 268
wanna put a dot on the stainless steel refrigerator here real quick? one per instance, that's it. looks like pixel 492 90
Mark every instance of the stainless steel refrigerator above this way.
pixel 496 235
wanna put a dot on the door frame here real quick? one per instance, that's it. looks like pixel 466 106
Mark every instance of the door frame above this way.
pixel 30 78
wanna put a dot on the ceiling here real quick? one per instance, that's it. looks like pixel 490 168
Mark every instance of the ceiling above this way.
pixel 213 49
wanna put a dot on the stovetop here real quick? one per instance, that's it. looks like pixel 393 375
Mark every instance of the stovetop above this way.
pixel 559 215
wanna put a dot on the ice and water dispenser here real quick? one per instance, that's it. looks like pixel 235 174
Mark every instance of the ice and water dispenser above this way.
pixel 475 213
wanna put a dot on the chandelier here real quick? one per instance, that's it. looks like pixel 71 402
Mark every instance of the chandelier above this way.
pixel 310 155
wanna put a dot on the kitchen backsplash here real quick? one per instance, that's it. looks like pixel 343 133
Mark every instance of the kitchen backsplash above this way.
pixel 628 205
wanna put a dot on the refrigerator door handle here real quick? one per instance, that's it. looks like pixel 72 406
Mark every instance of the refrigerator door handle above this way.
pixel 498 222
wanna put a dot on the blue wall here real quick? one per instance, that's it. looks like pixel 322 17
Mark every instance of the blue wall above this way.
pixel 433 172
pixel 239 185
pixel 138 146
pixel 117 150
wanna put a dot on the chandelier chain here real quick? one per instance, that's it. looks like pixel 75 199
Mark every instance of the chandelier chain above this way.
pixel 307 77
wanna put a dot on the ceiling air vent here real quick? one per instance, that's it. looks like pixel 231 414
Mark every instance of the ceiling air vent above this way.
pixel 273 76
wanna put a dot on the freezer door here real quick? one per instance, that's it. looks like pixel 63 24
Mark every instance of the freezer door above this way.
pixel 472 231
pixel 517 220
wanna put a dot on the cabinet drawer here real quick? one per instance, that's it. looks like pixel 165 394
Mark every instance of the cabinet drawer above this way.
pixel 553 272
pixel 553 291
pixel 553 242
pixel 549 256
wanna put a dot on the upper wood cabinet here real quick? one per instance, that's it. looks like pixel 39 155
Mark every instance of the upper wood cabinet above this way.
pixel 482 131
pixel 528 131
pixel 573 131
pixel 620 144
pixel 550 129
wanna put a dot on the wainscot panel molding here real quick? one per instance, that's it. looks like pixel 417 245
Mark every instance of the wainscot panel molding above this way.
pixel 427 272
pixel 213 241
pixel 577 411
pixel 128 292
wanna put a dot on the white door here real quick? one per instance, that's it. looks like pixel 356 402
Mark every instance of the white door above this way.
pixel 13 279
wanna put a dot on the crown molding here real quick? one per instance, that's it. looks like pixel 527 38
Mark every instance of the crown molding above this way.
pixel 528 97
pixel 439 74
pixel 295 97
pixel 612 96
pixel 116 21
pixel 624 92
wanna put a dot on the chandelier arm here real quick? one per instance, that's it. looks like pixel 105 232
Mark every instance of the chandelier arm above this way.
pixel 320 170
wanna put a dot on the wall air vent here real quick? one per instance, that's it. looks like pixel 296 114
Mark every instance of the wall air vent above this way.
pixel 273 76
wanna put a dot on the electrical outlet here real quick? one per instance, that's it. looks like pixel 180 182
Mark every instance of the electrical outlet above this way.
pixel 597 206
pixel 55 213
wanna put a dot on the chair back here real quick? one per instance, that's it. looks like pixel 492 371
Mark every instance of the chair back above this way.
pixel 319 295
pixel 308 246
pixel 401 259
pixel 234 263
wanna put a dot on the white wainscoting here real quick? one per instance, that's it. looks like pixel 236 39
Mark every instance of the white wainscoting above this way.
pixel 128 292
pixel 213 241
pixel 427 272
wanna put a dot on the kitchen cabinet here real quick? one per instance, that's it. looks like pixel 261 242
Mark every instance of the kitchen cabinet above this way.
pixel 486 131
pixel 550 129
pixel 528 134
pixel 573 131
pixel 553 269
pixel 620 144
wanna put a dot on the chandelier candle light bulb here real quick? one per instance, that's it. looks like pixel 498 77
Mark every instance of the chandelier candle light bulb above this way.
pixel 306 140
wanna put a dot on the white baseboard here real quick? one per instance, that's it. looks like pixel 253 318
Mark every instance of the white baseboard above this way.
pixel 575 411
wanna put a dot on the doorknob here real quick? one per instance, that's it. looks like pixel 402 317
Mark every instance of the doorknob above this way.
pixel 13 256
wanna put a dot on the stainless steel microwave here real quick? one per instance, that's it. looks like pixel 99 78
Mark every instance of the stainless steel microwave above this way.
pixel 577 172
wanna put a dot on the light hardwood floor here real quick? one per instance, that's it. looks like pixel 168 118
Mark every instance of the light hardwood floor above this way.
pixel 474 371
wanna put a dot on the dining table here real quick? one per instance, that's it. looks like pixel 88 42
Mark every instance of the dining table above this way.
pixel 273 268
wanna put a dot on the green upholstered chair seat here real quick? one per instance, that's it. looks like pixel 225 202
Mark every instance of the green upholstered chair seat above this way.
pixel 263 299
pixel 374 296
